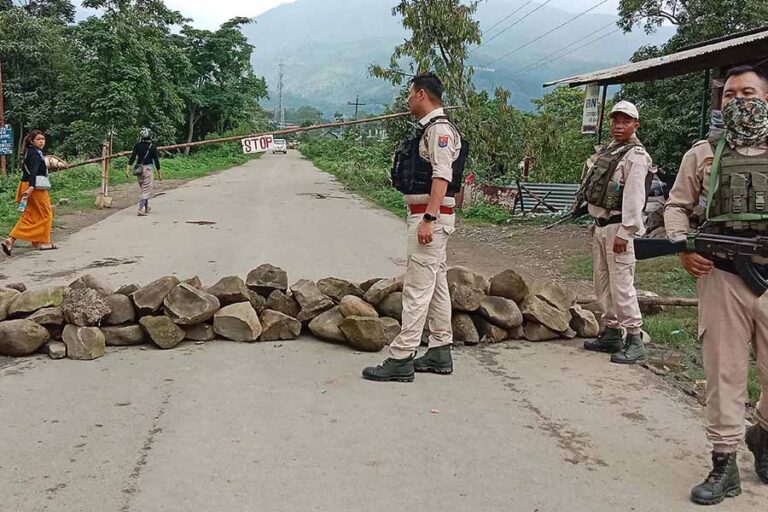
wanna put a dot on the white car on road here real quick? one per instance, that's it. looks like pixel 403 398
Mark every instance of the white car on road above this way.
pixel 280 146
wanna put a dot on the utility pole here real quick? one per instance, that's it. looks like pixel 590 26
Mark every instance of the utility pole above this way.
pixel 280 114
pixel 356 104
pixel 3 168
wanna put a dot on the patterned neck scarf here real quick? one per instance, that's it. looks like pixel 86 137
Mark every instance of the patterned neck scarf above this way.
pixel 746 121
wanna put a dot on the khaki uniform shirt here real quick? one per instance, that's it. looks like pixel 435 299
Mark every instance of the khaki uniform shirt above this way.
pixel 632 171
pixel 688 197
pixel 440 145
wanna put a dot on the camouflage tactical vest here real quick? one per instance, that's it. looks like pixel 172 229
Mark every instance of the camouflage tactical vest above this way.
pixel 599 188
pixel 738 191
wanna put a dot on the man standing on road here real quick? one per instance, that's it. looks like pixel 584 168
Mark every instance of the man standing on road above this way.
pixel 731 316
pixel 615 190
pixel 428 170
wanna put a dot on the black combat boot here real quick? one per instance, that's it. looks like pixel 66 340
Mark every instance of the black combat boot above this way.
pixel 609 341
pixel 634 350
pixel 436 360
pixel 757 442
pixel 391 370
pixel 722 482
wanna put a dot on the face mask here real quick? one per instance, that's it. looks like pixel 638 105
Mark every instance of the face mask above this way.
pixel 746 121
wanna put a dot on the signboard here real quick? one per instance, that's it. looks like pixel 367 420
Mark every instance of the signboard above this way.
pixel 257 144
pixel 6 140
pixel 591 109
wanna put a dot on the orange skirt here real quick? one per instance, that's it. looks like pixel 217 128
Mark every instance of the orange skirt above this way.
pixel 36 222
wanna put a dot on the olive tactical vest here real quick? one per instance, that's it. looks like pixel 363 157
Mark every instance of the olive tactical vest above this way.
pixel 599 188
pixel 738 190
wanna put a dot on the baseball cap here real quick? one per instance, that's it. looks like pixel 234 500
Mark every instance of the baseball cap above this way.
pixel 626 107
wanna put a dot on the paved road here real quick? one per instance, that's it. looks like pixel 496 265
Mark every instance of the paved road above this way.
pixel 291 426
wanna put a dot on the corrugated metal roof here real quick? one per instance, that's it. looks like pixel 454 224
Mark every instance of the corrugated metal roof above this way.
pixel 741 49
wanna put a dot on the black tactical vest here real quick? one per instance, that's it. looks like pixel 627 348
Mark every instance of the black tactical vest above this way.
pixel 411 174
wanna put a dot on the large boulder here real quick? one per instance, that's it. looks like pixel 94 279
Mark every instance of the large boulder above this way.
pixel 366 285
pixel 128 289
pixel 392 306
pixel 36 298
pixel 278 326
pixel 7 296
pixel 199 332
pixel 186 305
pixel 553 293
pixel 122 310
pixel 364 333
pixel 237 322
pixel 516 333
pixel 464 329
pixel 279 301
pixel 48 316
pixel 230 290
pixel 162 331
pixel 510 285
pixel 194 282
pixel 19 287
pixel 391 328
pixel 266 278
pixel 584 322
pixel 597 309
pixel 381 289
pixel 542 312
pixel 149 298
pixel 124 335
pixel 326 325
pixel 467 277
pixel 537 332
pixel 489 332
pixel 465 298
pixel 84 307
pixel 21 337
pixel 352 305
pixel 310 298
pixel 500 311
pixel 84 343
pixel 99 284
pixel 337 288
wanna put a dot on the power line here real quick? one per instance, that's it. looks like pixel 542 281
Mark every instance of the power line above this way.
pixel 515 23
pixel 571 20
pixel 573 51
pixel 573 43
pixel 502 20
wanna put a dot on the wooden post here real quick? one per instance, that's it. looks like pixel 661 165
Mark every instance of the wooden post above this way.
pixel 103 200
pixel 3 168
pixel 601 118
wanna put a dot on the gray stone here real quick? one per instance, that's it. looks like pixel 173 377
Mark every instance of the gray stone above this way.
pixel 516 333
pixel 467 277
pixel 568 334
pixel 278 326
pixel 597 309
pixel 553 293
pixel 381 289
pixel 465 298
pixel 279 301
pixel 355 306
pixel 366 285
pixel 500 311
pixel 266 278
pixel 128 289
pixel 122 310
pixel 194 282
pixel 326 325
pixel 489 332
pixel 149 298
pixel 48 316
pixel 337 289
pixel 542 312
pixel 464 329
pixel 34 299
pixel 56 349
pixel 84 307
pixel 186 305
pixel 649 309
pixel 19 287
pixel 311 299
pixel 537 332
pixel 99 284
pixel 258 302
pixel 124 335
pixel 199 332
pixel 7 296
pixel 237 322
pixel 584 322
pixel 364 333
pixel 510 285
pixel 392 306
pixel 162 331
pixel 84 343
pixel 391 328
pixel 21 337
pixel 230 290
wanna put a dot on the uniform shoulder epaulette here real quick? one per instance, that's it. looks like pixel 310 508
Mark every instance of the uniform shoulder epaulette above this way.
pixel 703 141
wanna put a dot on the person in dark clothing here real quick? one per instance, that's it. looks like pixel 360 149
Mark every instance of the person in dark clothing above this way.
pixel 34 201
pixel 144 160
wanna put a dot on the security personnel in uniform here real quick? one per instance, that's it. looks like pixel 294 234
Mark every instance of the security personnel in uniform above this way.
pixel 731 316
pixel 615 188
pixel 428 170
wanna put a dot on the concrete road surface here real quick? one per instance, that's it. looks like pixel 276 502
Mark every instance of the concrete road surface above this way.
pixel 290 426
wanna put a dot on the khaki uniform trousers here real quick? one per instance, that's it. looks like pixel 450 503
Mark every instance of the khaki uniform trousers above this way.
pixel 614 277
pixel 731 318
pixel 425 290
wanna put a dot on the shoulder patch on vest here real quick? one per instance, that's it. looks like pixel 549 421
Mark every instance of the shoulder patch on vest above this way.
pixel 442 141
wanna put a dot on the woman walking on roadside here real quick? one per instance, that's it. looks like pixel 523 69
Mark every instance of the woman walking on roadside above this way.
pixel 146 161
pixel 34 200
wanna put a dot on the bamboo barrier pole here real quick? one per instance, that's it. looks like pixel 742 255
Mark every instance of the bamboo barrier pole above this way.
pixel 651 301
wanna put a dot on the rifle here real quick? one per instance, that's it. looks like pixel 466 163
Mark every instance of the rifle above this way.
pixel 575 213
pixel 739 250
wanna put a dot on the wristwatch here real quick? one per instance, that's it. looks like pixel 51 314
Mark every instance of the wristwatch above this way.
pixel 429 218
